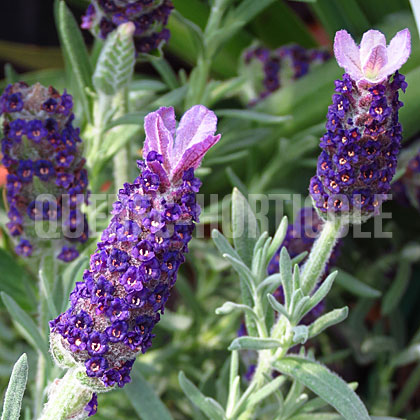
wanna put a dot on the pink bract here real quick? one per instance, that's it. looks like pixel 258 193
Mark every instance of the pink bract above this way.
pixel 184 147
pixel 373 61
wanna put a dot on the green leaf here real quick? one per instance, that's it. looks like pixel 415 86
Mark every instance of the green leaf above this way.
pixel 245 228
pixel 223 244
pixel 116 61
pixel 395 293
pixel 15 390
pixel 144 400
pixel 254 343
pixel 246 11
pixel 272 282
pixel 409 355
pixel 132 118
pixel 317 416
pixel 278 238
pixel 75 52
pixel 244 273
pixel 277 306
pixel 229 307
pixel 300 334
pixel 357 287
pixel 326 384
pixel 265 391
pixel 46 277
pixel 325 321
pixel 320 294
pixel 13 279
pixel 25 321
pixel 254 116
pixel 207 405
pixel 286 276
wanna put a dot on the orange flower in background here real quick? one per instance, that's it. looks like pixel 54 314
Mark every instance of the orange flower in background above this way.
pixel 3 175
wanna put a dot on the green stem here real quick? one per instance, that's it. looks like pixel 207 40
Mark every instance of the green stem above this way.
pixel 320 254
pixel 200 74
pixel 406 393
pixel 68 399
pixel 122 159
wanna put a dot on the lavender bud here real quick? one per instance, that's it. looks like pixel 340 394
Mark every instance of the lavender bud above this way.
pixel 113 311
pixel 362 141
pixel 149 17
pixel 46 181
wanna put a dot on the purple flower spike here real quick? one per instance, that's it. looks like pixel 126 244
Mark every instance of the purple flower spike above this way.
pixel 372 61
pixel 363 135
pixel 149 18
pixel 41 154
pixel 113 311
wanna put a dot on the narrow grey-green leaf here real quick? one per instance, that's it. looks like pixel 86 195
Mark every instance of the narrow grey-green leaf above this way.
pixel 265 391
pixel 278 238
pixel 355 286
pixel 326 384
pixel 259 117
pixel 199 399
pixel 144 400
pixel 397 289
pixel 15 390
pixel 300 334
pixel 245 228
pixel 286 276
pixel 75 52
pixel 46 277
pixel 277 306
pixel 254 343
pixel 244 272
pixel 132 118
pixel 26 322
pixel 409 355
pixel 229 307
pixel 325 321
pixel 116 61
pixel 223 244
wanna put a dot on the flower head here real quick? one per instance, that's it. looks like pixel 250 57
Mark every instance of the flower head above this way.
pixel 136 263
pixel 373 61
pixel 149 17
pixel 46 178
pixel 361 143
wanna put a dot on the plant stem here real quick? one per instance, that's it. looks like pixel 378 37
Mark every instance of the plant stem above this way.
pixel 200 74
pixel 407 391
pixel 122 159
pixel 320 254
pixel 68 398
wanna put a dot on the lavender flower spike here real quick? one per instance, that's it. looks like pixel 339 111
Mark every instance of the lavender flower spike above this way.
pixel 372 61
pixel 47 182
pixel 363 135
pixel 113 312
pixel 148 16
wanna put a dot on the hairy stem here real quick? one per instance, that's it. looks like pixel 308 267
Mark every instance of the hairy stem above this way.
pixel 320 254
pixel 67 399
